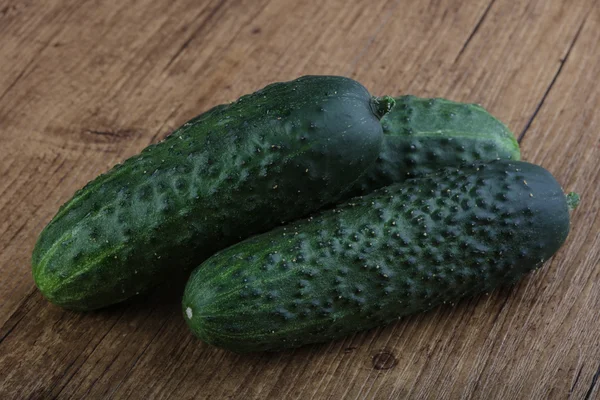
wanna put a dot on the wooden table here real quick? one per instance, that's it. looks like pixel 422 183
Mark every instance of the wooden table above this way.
pixel 85 84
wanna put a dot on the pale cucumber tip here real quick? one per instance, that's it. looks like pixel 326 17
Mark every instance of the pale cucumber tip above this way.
pixel 573 200
pixel 382 105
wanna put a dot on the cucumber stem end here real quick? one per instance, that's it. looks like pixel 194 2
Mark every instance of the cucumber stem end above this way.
pixel 572 200
pixel 382 105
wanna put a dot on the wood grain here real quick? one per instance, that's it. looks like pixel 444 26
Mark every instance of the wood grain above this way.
pixel 84 85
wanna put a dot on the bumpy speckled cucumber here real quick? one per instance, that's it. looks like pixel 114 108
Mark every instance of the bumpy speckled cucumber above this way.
pixel 422 135
pixel 232 172
pixel 400 250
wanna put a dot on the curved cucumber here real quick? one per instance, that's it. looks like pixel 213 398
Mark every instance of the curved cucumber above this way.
pixel 234 171
pixel 401 250
pixel 422 135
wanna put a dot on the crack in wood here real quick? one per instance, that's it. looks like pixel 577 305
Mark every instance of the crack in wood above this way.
pixel 160 129
pixel 588 394
pixel 16 313
pixel 576 379
pixel 563 61
pixel 121 133
pixel 194 34
pixel 14 235
pixel 17 79
pixel 11 329
pixel 506 299
pixel 474 31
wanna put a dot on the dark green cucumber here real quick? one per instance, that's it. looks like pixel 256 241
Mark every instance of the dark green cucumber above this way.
pixel 232 172
pixel 402 249
pixel 422 135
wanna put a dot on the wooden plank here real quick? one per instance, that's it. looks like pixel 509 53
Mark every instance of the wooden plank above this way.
pixel 97 102
pixel 104 100
pixel 132 73
pixel 505 62
pixel 56 117
pixel 560 305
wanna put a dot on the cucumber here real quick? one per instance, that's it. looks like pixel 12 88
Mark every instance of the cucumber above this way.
pixel 403 249
pixel 234 171
pixel 422 135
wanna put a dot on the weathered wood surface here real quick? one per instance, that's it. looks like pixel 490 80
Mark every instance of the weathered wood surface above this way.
pixel 85 84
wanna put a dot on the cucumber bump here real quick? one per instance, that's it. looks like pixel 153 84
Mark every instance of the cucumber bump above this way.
pixel 422 135
pixel 234 171
pixel 400 250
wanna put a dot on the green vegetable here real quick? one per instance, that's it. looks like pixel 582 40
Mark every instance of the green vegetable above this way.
pixel 403 249
pixel 422 135
pixel 234 171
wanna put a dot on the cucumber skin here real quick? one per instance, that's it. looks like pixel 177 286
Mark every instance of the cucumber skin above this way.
pixel 234 171
pixel 422 135
pixel 400 250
